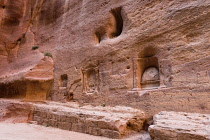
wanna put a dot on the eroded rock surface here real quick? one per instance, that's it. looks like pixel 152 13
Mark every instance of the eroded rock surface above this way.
pixel 34 84
pixel 112 122
pixel 39 80
pixel 12 111
pixel 102 48
pixel 180 126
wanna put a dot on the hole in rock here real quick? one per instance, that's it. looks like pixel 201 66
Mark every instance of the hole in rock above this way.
pixel 128 67
pixel 19 40
pixel 3 7
pixel 100 34
pixel 98 37
pixel 64 80
pixel 116 22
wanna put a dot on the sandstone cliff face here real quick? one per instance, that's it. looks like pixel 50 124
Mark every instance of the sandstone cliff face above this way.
pixel 101 49
pixel 16 38
pixel 17 56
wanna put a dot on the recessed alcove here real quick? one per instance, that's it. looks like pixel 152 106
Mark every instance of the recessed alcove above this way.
pixel 64 81
pixel 116 23
pixel 113 26
pixel 14 90
pixel 90 80
pixel 148 73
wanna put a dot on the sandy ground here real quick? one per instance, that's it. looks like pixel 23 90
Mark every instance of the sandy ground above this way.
pixel 24 131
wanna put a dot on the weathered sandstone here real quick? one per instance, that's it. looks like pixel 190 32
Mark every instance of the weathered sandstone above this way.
pixel 15 111
pixel 112 122
pixel 34 84
pixel 180 126
pixel 151 55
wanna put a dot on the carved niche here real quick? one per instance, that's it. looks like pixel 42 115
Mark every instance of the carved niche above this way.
pixel 90 80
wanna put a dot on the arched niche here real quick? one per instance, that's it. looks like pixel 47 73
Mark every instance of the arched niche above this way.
pixel 148 73
pixel 115 26
pixel 150 78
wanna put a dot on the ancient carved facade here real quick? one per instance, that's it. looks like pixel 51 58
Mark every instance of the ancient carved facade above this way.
pixel 145 54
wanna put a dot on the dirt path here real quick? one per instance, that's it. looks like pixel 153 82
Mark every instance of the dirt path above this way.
pixel 23 131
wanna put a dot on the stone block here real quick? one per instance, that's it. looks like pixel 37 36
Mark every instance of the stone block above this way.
pixel 36 118
pixel 54 116
pixel 64 125
pixel 72 119
pixel 75 127
pixel 43 114
pixel 110 133
pixel 58 117
pixel 180 126
pixel 63 118
pixel 52 123
pixel 60 125
pixel 49 115
pixel 111 122
pixel 91 123
pixel 95 131
pixel 106 125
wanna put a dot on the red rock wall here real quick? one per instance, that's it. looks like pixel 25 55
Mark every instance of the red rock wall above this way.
pixel 102 68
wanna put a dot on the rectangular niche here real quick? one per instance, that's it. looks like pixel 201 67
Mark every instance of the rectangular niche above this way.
pixel 148 76
pixel 90 80
pixel 63 81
